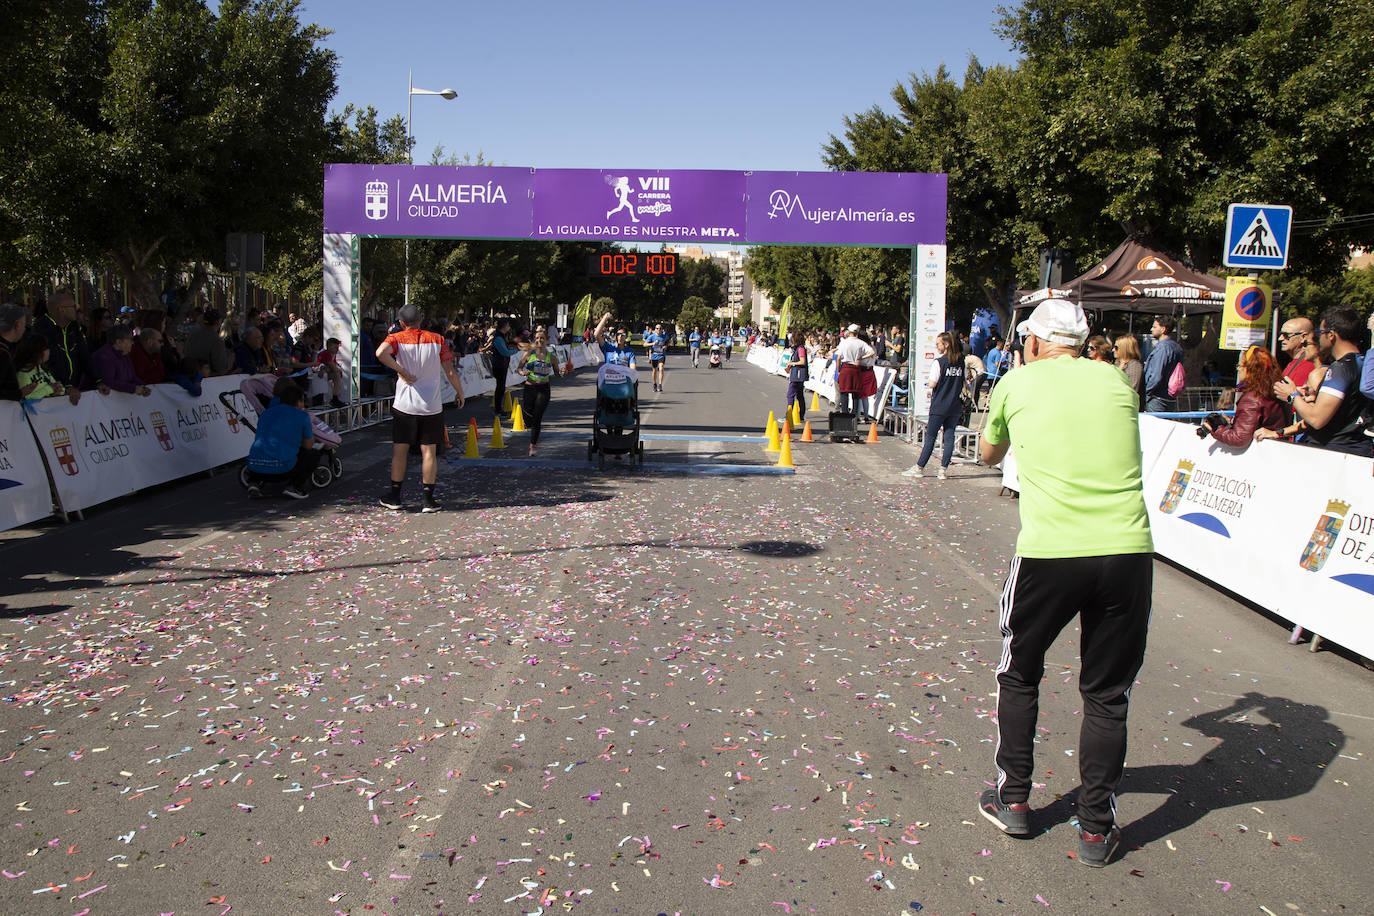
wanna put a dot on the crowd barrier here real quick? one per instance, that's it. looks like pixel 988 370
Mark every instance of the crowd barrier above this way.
pixel 822 379
pixel 56 456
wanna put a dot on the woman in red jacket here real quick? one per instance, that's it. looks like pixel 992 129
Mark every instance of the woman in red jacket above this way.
pixel 1256 407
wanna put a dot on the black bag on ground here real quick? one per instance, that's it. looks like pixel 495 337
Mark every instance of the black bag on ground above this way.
pixel 843 425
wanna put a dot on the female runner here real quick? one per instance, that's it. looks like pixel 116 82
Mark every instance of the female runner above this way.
pixel 538 366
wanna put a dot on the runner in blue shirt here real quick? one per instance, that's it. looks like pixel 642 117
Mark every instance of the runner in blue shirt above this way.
pixel 619 352
pixel 657 342
pixel 694 344
pixel 729 343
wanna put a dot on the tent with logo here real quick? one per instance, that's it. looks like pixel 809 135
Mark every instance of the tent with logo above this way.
pixel 1137 278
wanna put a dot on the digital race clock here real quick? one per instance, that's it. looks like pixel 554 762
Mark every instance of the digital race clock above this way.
pixel 632 264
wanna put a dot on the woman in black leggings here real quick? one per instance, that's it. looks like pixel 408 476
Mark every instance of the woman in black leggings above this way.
pixel 538 366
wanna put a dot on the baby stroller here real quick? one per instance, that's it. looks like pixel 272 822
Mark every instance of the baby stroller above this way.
pixel 715 357
pixel 256 391
pixel 615 425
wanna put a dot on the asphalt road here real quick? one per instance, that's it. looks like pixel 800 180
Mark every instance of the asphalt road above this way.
pixel 627 691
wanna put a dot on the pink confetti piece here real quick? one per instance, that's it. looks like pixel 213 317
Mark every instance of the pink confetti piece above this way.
pixel 1225 886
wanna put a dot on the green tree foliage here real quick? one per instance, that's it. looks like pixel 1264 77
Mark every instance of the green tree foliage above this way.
pixel 150 129
pixel 746 314
pixel 805 274
pixel 695 314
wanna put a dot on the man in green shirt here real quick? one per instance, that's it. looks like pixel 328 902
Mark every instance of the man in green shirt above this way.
pixel 1084 550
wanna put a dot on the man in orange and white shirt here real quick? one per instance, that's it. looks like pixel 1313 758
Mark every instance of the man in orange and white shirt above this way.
pixel 419 359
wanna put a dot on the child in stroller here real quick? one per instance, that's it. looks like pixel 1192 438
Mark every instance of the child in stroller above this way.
pixel 259 391
pixel 615 425
pixel 715 357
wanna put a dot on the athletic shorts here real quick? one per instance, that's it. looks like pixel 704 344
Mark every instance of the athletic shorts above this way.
pixel 412 429
pixel 656 362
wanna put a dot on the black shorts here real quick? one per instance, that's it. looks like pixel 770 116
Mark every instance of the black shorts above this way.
pixel 656 362
pixel 410 429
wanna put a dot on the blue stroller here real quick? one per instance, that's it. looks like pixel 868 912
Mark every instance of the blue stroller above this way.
pixel 615 425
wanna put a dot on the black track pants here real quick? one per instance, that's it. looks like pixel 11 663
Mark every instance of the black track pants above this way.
pixel 534 400
pixel 1111 595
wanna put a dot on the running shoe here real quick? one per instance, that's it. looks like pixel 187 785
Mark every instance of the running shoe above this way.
pixel 1096 849
pixel 914 471
pixel 254 491
pixel 391 502
pixel 430 505
pixel 1010 819
pixel 941 474
pixel 294 493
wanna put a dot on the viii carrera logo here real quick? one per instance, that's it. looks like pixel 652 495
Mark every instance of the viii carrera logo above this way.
pixel 652 197
pixel 375 199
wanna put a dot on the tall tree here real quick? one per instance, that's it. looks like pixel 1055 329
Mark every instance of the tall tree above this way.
pixel 175 125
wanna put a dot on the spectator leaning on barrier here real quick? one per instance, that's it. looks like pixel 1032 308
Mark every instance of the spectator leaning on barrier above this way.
pixel 1337 417
pixel 205 344
pixel 14 320
pixel 284 445
pixel 1084 550
pixel 1256 407
pixel 35 381
pixel 419 359
pixel 114 365
pixel 252 356
pixel 1294 337
pixel 70 354
pixel 147 357
pixel 1159 367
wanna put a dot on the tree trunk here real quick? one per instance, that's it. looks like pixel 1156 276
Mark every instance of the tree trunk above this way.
pixel 134 267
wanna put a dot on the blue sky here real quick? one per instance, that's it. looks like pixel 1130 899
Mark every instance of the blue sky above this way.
pixel 620 84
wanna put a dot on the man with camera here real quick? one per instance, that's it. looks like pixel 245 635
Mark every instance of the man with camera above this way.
pixel 1084 551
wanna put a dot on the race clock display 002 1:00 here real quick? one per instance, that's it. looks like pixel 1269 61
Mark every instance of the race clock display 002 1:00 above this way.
pixel 632 264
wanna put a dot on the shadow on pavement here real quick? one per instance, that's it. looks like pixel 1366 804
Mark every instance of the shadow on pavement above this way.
pixel 1265 749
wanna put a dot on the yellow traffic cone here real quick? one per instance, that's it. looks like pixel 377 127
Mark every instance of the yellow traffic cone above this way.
pixel 471 450
pixel 796 414
pixel 496 434
pixel 772 434
pixel 517 419
pixel 506 404
pixel 806 433
pixel 772 423
pixel 815 400
pixel 785 458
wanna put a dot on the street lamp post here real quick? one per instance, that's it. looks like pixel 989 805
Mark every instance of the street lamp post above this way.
pixel 448 94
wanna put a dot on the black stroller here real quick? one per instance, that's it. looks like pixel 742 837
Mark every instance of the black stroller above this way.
pixel 615 424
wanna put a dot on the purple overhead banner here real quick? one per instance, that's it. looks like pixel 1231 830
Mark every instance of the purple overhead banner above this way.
pixel 846 208
pixel 879 209
pixel 428 201
pixel 629 205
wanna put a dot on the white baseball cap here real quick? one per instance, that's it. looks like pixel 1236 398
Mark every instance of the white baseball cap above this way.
pixel 853 328
pixel 1058 321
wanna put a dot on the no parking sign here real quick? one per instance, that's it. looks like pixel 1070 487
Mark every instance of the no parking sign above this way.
pixel 1245 321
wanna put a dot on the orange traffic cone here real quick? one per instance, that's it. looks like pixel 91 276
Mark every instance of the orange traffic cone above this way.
pixel 787 429
pixel 806 433
pixel 471 450
pixel 569 368
pixel 872 433
pixel 785 455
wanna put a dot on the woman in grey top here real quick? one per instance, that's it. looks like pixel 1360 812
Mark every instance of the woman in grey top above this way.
pixel 1128 361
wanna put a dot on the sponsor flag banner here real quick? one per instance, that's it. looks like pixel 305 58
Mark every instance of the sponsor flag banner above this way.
pixel 1245 320
pixel 427 201
pixel 582 316
pixel 899 209
pixel 112 445
pixel 1236 519
pixel 785 318
pixel 639 205
pixel 24 493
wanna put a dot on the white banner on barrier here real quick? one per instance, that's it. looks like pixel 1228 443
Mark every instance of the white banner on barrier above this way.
pixel 477 379
pixel 822 375
pixel 23 480
pixel 112 445
pixel 1288 527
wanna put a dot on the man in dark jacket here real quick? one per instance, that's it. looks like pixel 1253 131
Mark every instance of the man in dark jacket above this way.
pixel 13 321
pixel 69 355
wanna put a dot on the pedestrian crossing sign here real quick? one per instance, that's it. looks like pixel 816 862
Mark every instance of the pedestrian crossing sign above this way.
pixel 1257 236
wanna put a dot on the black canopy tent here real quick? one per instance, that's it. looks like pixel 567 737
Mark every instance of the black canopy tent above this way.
pixel 1136 278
